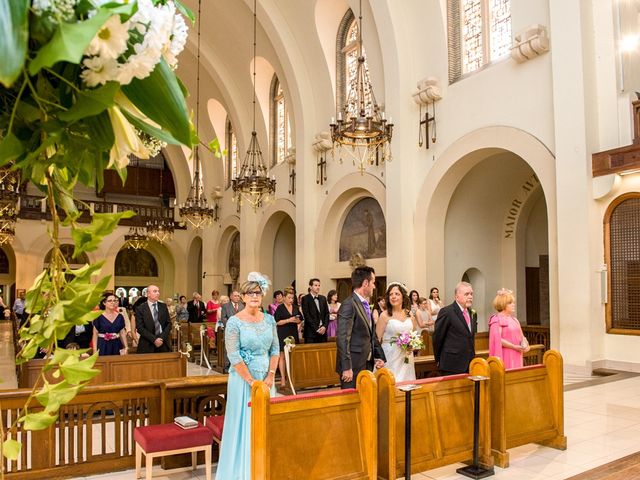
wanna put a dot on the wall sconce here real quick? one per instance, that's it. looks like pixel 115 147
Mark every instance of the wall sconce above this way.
pixel 428 93
pixel 291 161
pixel 216 195
pixel 322 144
pixel 530 43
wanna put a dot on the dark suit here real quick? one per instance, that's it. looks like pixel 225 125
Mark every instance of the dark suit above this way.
pixel 123 302
pixel 314 318
pixel 196 315
pixel 147 328
pixel 453 342
pixel 357 343
pixel 228 311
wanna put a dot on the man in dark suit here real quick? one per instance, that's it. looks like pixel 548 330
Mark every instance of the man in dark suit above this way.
pixel 357 344
pixel 152 323
pixel 228 310
pixel 453 338
pixel 123 301
pixel 315 311
pixel 197 309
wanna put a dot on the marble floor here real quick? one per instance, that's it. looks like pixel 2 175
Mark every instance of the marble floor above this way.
pixel 602 424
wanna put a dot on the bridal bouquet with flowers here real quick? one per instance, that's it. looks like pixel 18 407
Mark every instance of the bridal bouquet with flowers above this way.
pixel 408 342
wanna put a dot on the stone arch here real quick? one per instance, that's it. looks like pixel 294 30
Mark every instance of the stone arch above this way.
pixel 194 262
pixel 230 226
pixel 340 199
pixel 476 278
pixel 8 274
pixel 445 178
pixel 277 220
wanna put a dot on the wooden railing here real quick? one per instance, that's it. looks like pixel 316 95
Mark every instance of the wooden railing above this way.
pixel 537 334
pixel 94 432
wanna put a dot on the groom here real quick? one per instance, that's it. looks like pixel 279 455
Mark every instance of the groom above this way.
pixel 358 347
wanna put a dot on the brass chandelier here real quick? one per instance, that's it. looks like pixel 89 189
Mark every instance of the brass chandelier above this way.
pixel 160 229
pixel 137 239
pixel 361 128
pixel 9 181
pixel 196 210
pixel 252 184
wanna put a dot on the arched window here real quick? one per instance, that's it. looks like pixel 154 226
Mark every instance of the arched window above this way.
pixel 231 163
pixel 135 263
pixel 479 33
pixel 622 256
pixel 280 125
pixel 347 60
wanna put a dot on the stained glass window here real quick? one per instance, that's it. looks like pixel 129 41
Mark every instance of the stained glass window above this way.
pixel 347 63
pixel 281 133
pixel 479 33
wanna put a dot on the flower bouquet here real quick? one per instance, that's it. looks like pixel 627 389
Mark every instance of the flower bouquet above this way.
pixel 408 342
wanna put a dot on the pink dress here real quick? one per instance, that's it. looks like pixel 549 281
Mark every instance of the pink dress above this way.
pixel 332 328
pixel 503 326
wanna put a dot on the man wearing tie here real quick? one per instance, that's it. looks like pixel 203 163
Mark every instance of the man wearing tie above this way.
pixel 229 309
pixel 152 323
pixel 453 338
pixel 197 309
pixel 315 311
pixel 357 344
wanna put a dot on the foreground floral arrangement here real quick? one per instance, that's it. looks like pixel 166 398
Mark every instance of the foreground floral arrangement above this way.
pixel 80 82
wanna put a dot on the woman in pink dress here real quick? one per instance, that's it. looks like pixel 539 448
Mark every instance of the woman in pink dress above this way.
pixel 506 340
pixel 334 306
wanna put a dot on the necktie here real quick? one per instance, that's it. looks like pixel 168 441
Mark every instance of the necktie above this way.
pixel 465 314
pixel 235 307
pixel 154 312
pixel 367 309
pixel 317 302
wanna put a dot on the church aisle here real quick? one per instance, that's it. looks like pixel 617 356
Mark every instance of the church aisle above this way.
pixel 8 378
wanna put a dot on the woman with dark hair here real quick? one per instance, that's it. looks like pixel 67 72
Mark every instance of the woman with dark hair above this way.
pixel 287 320
pixel 414 299
pixel 378 308
pixel 334 306
pixel 434 303
pixel 278 297
pixel 395 320
pixel 182 314
pixel 109 334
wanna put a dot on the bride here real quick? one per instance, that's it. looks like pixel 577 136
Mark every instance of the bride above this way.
pixel 396 319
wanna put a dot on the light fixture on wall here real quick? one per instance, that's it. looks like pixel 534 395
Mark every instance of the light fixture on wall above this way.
pixel 196 210
pixel 252 184
pixel 137 239
pixel 361 128
pixel 9 181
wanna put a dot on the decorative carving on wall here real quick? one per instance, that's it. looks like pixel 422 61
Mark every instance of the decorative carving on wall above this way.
pixel 530 43
pixel 364 232
pixel 530 185
pixel 322 144
pixel 291 161
pixel 428 93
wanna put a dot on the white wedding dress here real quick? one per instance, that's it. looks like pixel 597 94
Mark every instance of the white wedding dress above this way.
pixel 395 355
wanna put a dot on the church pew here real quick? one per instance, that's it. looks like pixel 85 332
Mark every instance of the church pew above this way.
pixel 481 342
pixel 527 406
pixel 313 365
pixel 117 368
pixel 442 422
pixel 329 435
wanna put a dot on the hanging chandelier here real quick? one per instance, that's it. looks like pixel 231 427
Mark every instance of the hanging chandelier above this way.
pixel 137 239
pixel 361 128
pixel 9 181
pixel 252 184
pixel 160 229
pixel 196 210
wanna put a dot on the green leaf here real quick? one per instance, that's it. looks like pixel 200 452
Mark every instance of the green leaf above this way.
pixel 11 449
pixel 100 131
pixel 10 147
pixel 151 130
pixel 171 113
pixel 76 372
pixel 184 10
pixel 54 395
pixel 87 239
pixel 91 102
pixel 13 39
pixel 38 421
pixel 69 42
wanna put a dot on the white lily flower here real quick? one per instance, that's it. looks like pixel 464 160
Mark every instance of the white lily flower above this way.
pixel 126 142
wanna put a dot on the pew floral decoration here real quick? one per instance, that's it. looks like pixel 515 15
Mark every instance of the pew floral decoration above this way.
pixel 290 340
pixel 408 342
pixel 187 350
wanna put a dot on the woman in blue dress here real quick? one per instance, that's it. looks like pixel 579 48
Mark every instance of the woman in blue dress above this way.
pixel 109 334
pixel 251 339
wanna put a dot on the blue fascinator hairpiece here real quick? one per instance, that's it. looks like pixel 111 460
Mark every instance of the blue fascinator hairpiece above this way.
pixel 260 279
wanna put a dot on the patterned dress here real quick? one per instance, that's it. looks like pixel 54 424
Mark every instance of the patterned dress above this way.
pixel 254 344
pixel 109 342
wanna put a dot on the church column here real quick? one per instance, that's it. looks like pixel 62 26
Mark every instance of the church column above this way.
pixel 577 318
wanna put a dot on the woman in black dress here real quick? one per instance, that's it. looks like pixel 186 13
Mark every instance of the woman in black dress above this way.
pixel 287 318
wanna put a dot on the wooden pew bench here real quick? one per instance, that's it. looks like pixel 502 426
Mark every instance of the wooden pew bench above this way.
pixel 313 365
pixel 442 422
pixel 328 435
pixel 527 406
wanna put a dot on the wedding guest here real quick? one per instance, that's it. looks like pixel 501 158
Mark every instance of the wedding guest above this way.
pixel 506 340
pixel 229 310
pixel 251 340
pixel 423 317
pixel 287 319
pixel 435 304
pixel 455 328
pixel 334 306
pixel 172 310
pixel 197 309
pixel 378 308
pixel 109 334
pixel 18 307
pixel 182 314
pixel 395 320
pixel 414 297
pixel 316 314
pixel 224 299
pixel 152 323
pixel 277 301
pixel 213 307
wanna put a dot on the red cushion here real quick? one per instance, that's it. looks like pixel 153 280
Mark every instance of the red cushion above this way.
pixel 169 436
pixel 215 423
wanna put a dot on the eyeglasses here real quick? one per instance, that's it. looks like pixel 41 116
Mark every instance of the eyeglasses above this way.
pixel 257 293
pixel 111 300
